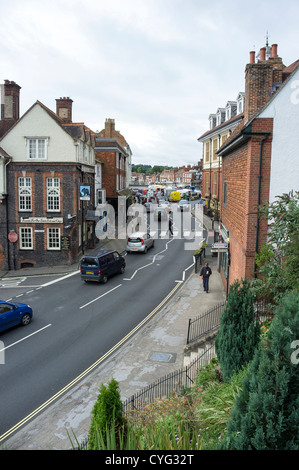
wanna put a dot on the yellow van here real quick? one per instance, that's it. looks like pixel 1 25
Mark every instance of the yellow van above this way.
pixel 175 196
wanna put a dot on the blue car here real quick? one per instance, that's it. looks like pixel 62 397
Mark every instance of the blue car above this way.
pixel 14 313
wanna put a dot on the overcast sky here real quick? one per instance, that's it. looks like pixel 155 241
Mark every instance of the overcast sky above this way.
pixel 158 67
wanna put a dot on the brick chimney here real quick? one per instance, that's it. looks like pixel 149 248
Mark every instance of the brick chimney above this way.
pixel 262 77
pixel 10 105
pixel 64 109
pixel 109 128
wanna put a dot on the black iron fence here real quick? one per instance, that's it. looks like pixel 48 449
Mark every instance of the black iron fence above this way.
pixel 263 309
pixel 175 382
pixel 182 379
pixel 204 324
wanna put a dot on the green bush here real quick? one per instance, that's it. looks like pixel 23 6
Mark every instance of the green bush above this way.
pixel 266 413
pixel 239 334
pixel 107 412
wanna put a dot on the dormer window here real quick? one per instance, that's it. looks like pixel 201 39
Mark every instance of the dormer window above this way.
pixel 212 120
pixel 240 103
pixel 220 116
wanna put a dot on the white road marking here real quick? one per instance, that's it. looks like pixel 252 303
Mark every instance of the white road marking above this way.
pixel 60 279
pixel 26 337
pixel 108 292
pixel 11 282
pixel 149 264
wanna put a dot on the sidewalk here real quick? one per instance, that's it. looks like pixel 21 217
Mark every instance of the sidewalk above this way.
pixel 134 365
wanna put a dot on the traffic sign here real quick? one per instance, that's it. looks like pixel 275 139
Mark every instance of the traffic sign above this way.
pixel 12 237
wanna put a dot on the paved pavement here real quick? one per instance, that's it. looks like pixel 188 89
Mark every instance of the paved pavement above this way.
pixel 134 364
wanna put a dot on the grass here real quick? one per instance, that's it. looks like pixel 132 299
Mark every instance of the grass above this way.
pixel 193 421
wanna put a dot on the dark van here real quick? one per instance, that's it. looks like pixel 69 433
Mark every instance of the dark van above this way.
pixel 100 266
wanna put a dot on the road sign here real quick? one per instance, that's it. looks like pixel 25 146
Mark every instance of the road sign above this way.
pixel 219 247
pixel 12 237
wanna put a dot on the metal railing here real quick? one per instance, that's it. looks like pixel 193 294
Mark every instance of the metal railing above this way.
pixel 204 324
pixel 175 382
pixel 182 379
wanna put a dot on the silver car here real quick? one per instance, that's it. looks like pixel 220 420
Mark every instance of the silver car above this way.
pixel 183 205
pixel 139 241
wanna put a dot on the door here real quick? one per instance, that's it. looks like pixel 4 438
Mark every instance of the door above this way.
pixel 8 316
pixel 112 265
pixel 118 261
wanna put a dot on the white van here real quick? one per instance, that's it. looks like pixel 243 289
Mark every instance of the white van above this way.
pixel 139 241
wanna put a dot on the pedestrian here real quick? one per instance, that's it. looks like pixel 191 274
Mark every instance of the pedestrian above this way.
pixel 205 274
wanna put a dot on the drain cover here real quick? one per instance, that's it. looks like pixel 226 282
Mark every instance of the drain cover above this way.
pixel 162 357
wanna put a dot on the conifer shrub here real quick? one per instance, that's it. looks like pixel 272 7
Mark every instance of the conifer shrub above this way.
pixel 239 333
pixel 106 413
pixel 265 415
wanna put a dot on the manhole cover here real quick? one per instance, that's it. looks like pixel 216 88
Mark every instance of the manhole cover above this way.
pixel 162 357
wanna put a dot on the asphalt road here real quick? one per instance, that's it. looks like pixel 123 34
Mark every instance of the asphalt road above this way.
pixel 76 323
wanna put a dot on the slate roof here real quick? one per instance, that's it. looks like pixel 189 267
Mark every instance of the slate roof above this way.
pixel 288 72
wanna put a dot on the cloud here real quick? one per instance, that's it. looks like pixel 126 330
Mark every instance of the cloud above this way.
pixel 158 67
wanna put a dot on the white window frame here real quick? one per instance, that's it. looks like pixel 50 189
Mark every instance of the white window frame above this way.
pixel 51 245
pixel 25 194
pixel 53 194
pixel 37 148
pixel 26 238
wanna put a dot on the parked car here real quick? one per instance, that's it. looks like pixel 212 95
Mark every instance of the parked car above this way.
pixel 183 205
pixel 139 241
pixel 165 205
pixel 14 313
pixel 99 267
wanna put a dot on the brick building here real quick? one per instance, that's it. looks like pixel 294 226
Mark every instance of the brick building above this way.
pixel 114 154
pixel 259 159
pixel 45 160
pixel 183 176
pixel 221 125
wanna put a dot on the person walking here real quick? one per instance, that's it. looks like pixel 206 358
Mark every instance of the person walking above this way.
pixel 205 274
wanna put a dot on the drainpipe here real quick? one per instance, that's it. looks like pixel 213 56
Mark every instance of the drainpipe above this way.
pixel 259 197
pixel 265 134
pixel 7 215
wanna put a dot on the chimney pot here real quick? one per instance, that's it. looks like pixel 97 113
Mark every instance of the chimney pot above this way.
pixel 252 57
pixel 274 50
pixel 263 53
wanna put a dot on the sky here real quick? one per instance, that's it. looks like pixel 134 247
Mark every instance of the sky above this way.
pixel 158 67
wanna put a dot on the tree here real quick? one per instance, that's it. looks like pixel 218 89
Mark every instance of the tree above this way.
pixel 107 412
pixel 278 260
pixel 266 412
pixel 239 334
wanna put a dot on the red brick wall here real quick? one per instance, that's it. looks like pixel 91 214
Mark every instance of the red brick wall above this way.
pixel 108 171
pixel 240 172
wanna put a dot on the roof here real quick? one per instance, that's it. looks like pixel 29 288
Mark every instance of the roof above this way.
pixel 102 252
pixel 75 130
pixel 3 153
pixel 239 131
pixel 224 124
